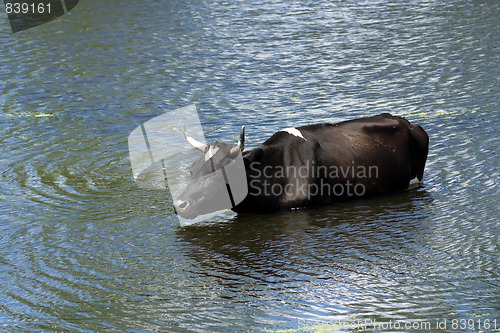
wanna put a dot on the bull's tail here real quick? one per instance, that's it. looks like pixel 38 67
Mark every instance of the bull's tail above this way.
pixel 420 143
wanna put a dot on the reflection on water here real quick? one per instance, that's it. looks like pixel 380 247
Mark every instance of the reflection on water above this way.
pixel 82 248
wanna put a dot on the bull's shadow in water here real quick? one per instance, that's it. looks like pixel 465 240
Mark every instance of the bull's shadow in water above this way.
pixel 270 246
pixel 307 166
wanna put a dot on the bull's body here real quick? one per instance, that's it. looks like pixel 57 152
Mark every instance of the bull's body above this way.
pixel 324 163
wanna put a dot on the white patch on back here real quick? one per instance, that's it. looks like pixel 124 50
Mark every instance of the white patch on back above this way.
pixel 414 183
pixel 294 131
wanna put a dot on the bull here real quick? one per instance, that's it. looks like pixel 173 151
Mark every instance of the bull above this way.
pixel 311 165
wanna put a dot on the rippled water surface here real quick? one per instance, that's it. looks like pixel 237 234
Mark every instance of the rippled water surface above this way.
pixel 83 249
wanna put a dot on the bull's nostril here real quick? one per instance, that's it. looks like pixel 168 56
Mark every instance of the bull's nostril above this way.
pixel 180 205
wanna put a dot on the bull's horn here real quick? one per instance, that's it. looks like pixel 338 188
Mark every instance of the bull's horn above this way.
pixel 193 142
pixel 241 143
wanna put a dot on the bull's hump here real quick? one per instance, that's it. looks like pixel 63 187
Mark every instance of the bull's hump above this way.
pixel 294 131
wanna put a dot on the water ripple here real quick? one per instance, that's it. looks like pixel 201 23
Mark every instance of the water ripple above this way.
pixel 81 248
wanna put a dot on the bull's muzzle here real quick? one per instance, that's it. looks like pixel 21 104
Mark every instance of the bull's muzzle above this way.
pixel 181 206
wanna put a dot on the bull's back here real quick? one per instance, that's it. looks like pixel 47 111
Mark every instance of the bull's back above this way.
pixel 381 153
pixel 390 146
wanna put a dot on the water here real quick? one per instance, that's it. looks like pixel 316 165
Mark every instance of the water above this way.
pixel 83 249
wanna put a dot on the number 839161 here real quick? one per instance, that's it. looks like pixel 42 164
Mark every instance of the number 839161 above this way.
pixel 27 8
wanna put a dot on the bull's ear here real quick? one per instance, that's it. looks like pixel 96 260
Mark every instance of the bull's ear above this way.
pixel 252 159
pixel 254 155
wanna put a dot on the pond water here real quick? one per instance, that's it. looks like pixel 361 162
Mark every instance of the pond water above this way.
pixel 83 249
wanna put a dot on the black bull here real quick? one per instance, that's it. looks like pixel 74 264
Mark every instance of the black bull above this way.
pixel 313 165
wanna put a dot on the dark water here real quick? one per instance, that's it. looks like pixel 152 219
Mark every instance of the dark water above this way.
pixel 82 249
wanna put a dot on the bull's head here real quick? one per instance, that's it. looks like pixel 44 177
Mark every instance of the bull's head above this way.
pixel 207 190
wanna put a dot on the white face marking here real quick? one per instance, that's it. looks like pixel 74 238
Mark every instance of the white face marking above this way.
pixel 211 152
pixel 293 131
